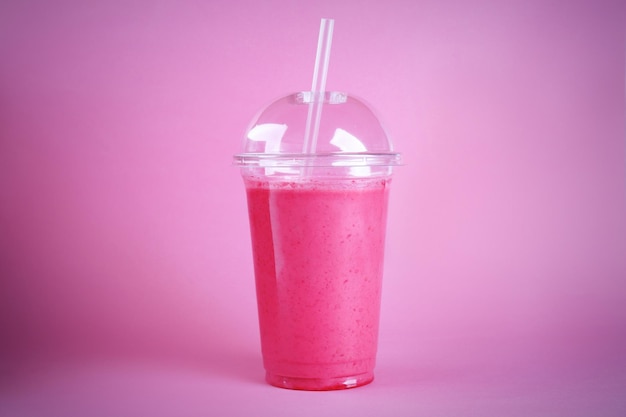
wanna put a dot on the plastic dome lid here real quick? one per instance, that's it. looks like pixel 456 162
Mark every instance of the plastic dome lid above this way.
pixel 286 134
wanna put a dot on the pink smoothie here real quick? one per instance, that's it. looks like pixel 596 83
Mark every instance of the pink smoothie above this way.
pixel 318 258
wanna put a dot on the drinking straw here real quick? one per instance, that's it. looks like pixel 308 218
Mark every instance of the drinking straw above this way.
pixel 322 58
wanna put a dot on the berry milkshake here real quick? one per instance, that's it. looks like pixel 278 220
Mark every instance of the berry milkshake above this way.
pixel 318 256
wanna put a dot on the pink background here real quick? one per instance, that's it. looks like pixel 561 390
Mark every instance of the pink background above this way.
pixel 126 281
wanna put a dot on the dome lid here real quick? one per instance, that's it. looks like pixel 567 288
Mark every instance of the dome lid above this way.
pixel 285 134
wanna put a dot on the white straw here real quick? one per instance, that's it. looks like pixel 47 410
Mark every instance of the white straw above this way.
pixel 318 86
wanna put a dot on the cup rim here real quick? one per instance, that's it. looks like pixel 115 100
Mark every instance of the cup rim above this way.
pixel 331 159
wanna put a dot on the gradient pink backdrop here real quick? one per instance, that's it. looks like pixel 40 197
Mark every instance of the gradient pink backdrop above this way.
pixel 126 281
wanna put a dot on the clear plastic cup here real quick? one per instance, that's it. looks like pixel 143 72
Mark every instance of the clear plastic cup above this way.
pixel 317 216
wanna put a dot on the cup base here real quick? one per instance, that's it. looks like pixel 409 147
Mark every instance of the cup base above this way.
pixel 319 384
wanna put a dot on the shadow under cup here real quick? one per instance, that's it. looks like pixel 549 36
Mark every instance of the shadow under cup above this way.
pixel 317 222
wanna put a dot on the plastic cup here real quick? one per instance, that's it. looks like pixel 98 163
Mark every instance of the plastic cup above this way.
pixel 317 222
